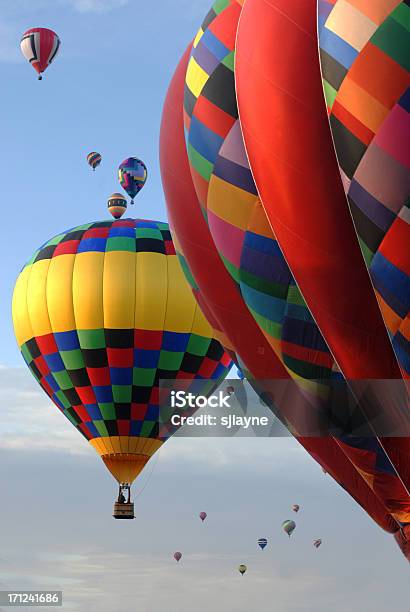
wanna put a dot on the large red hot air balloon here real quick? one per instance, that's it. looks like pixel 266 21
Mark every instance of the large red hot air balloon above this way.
pixel 241 233
pixel 221 296
pixel 190 240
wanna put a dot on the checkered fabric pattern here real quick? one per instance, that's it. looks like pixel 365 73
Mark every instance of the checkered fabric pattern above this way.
pixel 209 92
pixel 366 81
pixel 105 379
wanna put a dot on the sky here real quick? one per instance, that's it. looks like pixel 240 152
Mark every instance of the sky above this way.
pixel 57 531
pixel 105 93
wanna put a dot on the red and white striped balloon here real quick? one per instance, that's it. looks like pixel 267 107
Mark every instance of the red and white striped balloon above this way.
pixel 40 47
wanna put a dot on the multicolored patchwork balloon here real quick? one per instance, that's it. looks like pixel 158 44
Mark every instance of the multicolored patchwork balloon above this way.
pixel 365 53
pixel 101 314
pixel 247 246
pixel 117 205
pixel 132 175
pixel 40 47
pixel 219 292
pixel 94 159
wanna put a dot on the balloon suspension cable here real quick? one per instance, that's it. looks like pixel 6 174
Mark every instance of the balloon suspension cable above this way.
pixel 153 462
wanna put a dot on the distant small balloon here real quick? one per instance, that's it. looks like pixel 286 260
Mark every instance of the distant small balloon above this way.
pixel 289 527
pixel 242 569
pixel 132 175
pixel 202 516
pixel 177 556
pixel 230 390
pixel 262 542
pixel 295 507
pixel 94 159
pixel 117 205
pixel 317 543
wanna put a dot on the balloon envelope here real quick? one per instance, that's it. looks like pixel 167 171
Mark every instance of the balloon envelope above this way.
pixel 295 507
pixel 40 47
pixel 132 175
pixel 117 205
pixel 177 556
pixel 202 516
pixel 262 542
pixel 99 353
pixel 317 543
pixel 242 569
pixel 212 283
pixel 94 159
pixel 289 527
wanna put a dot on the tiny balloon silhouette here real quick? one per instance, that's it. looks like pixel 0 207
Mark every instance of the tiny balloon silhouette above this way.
pixel 202 516
pixel 262 543
pixel 230 390
pixel 289 527
pixel 177 556
pixel 317 543
pixel 242 569
pixel 295 507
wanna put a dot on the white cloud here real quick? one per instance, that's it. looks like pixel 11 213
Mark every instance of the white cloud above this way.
pixel 29 420
pixel 96 6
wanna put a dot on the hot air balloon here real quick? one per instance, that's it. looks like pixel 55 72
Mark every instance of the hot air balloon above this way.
pixel 243 237
pixel 262 543
pixel 40 47
pixel 196 241
pixel 242 569
pixel 289 527
pixel 295 507
pixel 117 205
pixel 177 556
pixel 94 159
pixel 317 543
pixel 101 314
pixel 202 516
pixel 230 390
pixel 132 175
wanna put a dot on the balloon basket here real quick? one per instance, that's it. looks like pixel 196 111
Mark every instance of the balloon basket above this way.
pixel 123 511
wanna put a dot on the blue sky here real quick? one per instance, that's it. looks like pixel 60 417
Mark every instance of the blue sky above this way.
pixel 103 93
